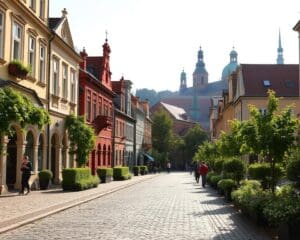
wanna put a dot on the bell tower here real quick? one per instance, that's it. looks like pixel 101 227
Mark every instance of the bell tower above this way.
pixel 200 75
pixel 183 85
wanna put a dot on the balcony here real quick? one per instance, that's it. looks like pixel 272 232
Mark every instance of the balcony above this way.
pixel 102 122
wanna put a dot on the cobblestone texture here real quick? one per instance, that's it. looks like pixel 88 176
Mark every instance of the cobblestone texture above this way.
pixel 170 206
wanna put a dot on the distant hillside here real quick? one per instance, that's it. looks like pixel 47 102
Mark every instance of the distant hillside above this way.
pixel 152 96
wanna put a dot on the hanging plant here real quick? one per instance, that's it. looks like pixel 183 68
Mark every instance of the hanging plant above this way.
pixel 15 107
pixel 82 138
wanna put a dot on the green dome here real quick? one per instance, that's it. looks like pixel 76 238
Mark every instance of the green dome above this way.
pixel 231 66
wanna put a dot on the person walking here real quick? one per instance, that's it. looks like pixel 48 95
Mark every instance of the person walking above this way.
pixel 26 172
pixel 203 173
pixel 197 172
pixel 169 167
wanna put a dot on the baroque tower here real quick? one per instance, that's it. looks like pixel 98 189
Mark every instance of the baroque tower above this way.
pixel 280 51
pixel 183 84
pixel 200 75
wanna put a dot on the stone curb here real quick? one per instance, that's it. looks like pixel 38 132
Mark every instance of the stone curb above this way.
pixel 23 220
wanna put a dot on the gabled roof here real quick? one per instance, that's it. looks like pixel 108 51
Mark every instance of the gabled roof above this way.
pixel 54 22
pixel 177 112
pixel 282 78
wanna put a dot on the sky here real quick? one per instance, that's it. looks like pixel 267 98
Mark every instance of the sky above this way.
pixel 152 41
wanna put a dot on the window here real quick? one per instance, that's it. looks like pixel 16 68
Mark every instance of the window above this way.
pixel 289 84
pixel 105 108
pixel 263 111
pixel 55 75
pixel 100 106
pixel 73 93
pixel 16 45
pixel 42 63
pixel 1 33
pixel 65 81
pixel 32 4
pixel 267 83
pixel 94 106
pixel 42 9
pixel 31 54
pixel 88 108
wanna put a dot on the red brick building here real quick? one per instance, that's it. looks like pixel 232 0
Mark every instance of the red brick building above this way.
pixel 96 102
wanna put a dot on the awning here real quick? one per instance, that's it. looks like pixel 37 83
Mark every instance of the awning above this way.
pixel 149 157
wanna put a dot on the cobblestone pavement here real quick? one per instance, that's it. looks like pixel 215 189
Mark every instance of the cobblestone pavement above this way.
pixel 170 206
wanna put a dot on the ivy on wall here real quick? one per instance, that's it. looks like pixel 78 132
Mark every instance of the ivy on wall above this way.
pixel 15 107
pixel 82 138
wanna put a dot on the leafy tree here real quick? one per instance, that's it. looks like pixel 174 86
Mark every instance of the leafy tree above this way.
pixel 15 107
pixel 270 134
pixel 82 138
pixel 193 138
pixel 207 152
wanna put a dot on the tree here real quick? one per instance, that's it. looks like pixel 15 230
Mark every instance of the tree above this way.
pixel 270 134
pixel 207 152
pixel 193 138
pixel 81 137
pixel 162 132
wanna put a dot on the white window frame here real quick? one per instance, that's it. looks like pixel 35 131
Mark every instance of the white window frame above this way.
pixel 42 63
pixel 2 16
pixel 32 54
pixel 42 9
pixel 55 76
pixel 17 33
pixel 73 85
pixel 32 4
pixel 64 81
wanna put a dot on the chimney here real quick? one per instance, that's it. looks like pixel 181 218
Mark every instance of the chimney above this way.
pixel 83 55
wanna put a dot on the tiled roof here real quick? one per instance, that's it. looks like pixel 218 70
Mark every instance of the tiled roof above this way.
pixel 94 66
pixel 54 22
pixel 282 78
pixel 177 112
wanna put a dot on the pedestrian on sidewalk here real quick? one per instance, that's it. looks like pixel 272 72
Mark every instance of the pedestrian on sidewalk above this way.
pixel 169 167
pixel 203 173
pixel 197 172
pixel 26 172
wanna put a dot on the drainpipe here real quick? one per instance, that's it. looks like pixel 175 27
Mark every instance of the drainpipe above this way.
pixel 48 94
pixel 113 136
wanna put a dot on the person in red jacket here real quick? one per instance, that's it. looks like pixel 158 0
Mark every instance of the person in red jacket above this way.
pixel 203 172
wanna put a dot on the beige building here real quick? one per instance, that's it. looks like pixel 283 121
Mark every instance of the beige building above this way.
pixel 26 36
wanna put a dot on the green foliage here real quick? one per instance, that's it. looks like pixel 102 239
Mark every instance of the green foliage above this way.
pixel 77 179
pixel 121 173
pixel 81 137
pixel 209 176
pixel 193 139
pixel 234 168
pixel 215 179
pixel 218 166
pixel 284 207
pixel 15 107
pixel 143 170
pixel 45 174
pixel 206 151
pixel 226 186
pixel 293 170
pixel 161 131
pixel 104 172
pixel 262 172
pixel 20 66
pixel 136 170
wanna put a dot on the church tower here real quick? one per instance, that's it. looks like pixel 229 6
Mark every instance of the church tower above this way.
pixel 280 51
pixel 195 109
pixel 200 75
pixel 183 85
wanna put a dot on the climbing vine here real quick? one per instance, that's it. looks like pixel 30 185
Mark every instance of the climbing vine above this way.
pixel 15 107
pixel 82 138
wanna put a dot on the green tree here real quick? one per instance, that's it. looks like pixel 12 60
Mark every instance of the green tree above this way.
pixel 207 152
pixel 82 138
pixel 193 138
pixel 15 107
pixel 270 134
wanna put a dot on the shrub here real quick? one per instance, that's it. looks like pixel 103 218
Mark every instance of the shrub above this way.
pixel 105 174
pixel 136 170
pixel 215 179
pixel 262 172
pixel 293 171
pixel 121 173
pixel 234 168
pixel 218 166
pixel 226 186
pixel 45 174
pixel 77 179
pixel 143 170
pixel 284 207
pixel 209 176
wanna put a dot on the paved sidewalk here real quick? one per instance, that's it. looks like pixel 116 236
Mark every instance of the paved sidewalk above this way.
pixel 17 210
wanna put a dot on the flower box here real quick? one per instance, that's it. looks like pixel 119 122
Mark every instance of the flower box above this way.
pixel 18 70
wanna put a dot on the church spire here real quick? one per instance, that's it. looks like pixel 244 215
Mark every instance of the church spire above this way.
pixel 183 84
pixel 279 51
pixel 200 75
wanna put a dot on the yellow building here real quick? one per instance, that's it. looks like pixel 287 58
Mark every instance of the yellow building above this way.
pixel 26 35
pixel 249 86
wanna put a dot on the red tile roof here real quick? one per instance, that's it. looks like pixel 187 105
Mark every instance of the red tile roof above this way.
pixel 283 79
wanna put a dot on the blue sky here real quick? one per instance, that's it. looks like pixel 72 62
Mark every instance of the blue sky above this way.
pixel 153 40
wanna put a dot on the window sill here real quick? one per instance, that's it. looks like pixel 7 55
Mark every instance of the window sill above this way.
pixel 42 84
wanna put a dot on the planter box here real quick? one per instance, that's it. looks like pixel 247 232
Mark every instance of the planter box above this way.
pixel 14 70
pixel 106 179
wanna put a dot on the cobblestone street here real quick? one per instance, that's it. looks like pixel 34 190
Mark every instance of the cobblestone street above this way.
pixel 170 206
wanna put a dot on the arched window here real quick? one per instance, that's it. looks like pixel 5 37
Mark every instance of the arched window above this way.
pixel 108 156
pixel 104 155
pixel 29 147
pixel 99 155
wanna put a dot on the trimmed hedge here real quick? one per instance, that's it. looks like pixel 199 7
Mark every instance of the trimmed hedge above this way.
pixel 143 170
pixel 235 169
pixel 121 173
pixel 226 186
pixel 215 179
pixel 136 170
pixel 105 174
pixel 78 179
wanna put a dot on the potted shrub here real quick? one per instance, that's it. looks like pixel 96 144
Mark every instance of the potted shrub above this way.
pixel 136 170
pixel 44 178
pixel 105 174
pixel 17 69
pixel 143 170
